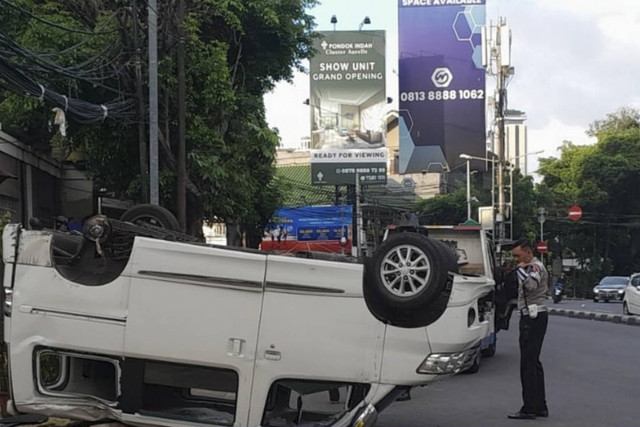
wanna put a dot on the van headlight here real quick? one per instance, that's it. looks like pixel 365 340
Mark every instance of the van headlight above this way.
pixel 596 290
pixel 447 363
pixel 621 291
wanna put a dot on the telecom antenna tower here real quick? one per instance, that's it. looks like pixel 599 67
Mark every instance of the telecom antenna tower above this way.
pixel 496 59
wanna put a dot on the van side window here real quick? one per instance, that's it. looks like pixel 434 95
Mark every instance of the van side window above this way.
pixel 180 392
pixel 294 402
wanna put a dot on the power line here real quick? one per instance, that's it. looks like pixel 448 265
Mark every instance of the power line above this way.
pixel 83 112
pixel 41 64
pixel 53 24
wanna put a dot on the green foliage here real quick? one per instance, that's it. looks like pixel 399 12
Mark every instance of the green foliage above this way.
pixel 447 209
pixel 236 52
pixel 603 180
pixel 525 204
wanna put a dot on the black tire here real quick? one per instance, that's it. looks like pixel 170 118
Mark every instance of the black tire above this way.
pixel 151 215
pixel 410 271
pixel 491 350
pixel 426 306
pixel 473 369
pixel 595 300
pixel 625 309
pixel 449 255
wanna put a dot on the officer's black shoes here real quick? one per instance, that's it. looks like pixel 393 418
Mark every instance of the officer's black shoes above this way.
pixel 522 416
pixel 543 413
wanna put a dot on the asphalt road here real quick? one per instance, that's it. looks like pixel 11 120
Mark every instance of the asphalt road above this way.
pixel 592 371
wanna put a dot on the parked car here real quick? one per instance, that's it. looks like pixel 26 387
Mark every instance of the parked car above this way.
pixel 631 302
pixel 610 288
pixel 134 322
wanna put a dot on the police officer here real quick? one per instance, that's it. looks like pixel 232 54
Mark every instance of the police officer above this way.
pixel 533 282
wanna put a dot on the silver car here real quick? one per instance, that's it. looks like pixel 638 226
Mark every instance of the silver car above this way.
pixel 610 288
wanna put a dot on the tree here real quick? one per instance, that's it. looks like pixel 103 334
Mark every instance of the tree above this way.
pixel 525 203
pixel 446 209
pixel 236 52
pixel 602 179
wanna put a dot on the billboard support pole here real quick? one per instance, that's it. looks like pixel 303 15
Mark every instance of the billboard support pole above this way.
pixel 358 218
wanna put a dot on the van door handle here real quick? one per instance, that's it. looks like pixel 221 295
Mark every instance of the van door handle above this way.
pixel 235 347
pixel 272 355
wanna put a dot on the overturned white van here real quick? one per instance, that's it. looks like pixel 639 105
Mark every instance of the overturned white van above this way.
pixel 120 322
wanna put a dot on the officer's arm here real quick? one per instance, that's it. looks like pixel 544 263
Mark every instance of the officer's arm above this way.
pixel 530 277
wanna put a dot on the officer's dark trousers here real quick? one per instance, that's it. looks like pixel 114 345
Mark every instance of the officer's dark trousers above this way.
pixel 531 374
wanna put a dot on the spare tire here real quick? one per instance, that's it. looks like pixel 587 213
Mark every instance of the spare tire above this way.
pixel 152 215
pixel 449 255
pixel 410 270
pixel 419 295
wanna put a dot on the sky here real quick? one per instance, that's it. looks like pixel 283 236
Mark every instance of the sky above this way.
pixel 575 62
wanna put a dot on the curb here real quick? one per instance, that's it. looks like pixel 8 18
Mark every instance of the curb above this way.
pixel 590 315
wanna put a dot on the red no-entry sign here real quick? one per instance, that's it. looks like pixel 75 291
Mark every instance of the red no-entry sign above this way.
pixel 542 247
pixel 575 212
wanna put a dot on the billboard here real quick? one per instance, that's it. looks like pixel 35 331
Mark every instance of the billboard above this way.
pixel 309 228
pixel 348 107
pixel 441 83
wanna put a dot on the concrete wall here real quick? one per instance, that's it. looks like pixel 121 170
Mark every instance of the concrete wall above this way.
pixel 41 186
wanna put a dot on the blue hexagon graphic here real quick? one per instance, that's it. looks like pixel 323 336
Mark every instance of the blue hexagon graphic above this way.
pixel 476 39
pixel 478 15
pixel 470 19
pixel 461 26
pixel 477 57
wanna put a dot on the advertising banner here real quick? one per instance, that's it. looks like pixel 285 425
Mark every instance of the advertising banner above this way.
pixel 337 167
pixel 347 100
pixel 441 83
pixel 309 228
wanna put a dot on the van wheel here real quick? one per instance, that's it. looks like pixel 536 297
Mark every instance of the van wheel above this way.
pixel 407 282
pixel 489 351
pixel 473 369
pixel 151 215
pixel 625 309
pixel 409 271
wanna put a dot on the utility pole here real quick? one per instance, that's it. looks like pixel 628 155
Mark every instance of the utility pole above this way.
pixel 153 101
pixel 468 190
pixel 496 58
pixel 182 121
pixel 142 134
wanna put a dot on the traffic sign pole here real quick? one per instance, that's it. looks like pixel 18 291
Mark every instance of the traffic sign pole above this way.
pixel 542 219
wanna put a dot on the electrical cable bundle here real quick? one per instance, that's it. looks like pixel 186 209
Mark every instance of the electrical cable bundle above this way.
pixel 38 63
pixel 81 111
